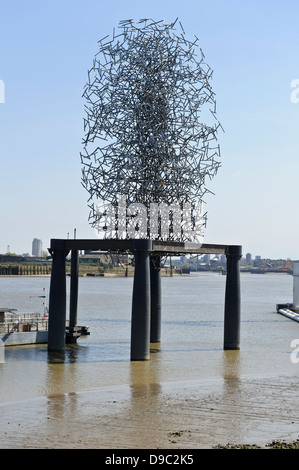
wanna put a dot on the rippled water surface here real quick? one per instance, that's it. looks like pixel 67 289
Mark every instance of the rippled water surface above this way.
pixel 192 335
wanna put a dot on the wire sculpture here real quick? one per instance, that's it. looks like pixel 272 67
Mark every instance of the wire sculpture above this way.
pixel 150 134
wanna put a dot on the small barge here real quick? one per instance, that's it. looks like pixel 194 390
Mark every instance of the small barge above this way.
pixel 31 328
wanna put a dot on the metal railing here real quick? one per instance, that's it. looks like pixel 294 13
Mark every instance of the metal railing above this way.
pixel 23 323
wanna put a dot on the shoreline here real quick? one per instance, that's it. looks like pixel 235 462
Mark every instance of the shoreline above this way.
pixel 174 415
pixel 190 395
pixel 92 275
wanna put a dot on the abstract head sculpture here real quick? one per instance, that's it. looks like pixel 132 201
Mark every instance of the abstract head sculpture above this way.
pixel 150 133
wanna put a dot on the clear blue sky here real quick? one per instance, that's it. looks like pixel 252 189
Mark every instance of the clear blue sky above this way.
pixel 46 48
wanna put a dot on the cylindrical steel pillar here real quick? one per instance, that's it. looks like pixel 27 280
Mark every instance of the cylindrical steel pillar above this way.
pixel 296 286
pixel 74 292
pixel 232 310
pixel 140 326
pixel 155 274
pixel 57 302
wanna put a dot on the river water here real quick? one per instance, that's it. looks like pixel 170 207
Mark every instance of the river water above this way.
pixel 98 372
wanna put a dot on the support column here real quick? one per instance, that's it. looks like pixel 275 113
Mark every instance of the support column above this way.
pixel 295 286
pixel 73 294
pixel 155 275
pixel 140 326
pixel 57 302
pixel 232 310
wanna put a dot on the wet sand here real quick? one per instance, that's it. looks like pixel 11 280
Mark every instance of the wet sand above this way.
pixel 173 415
pixel 190 395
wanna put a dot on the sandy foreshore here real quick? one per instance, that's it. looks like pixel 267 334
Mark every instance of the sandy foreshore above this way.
pixel 174 415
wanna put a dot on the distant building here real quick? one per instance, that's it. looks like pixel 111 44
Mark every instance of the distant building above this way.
pixel 37 248
pixel 257 261
pixel 206 258
pixel 248 258
pixel 222 259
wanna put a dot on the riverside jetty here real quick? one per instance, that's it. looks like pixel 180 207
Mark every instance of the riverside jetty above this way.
pixel 146 296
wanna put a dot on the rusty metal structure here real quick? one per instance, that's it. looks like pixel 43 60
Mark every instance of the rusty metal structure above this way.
pixel 150 126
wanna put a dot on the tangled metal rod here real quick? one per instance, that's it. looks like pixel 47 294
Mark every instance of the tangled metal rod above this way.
pixel 150 132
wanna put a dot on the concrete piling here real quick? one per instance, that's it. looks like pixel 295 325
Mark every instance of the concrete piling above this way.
pixel 296 286
pixel 232 309
pixel 140 325
pixel 155 275
pixel 57 302
pixel 74 292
